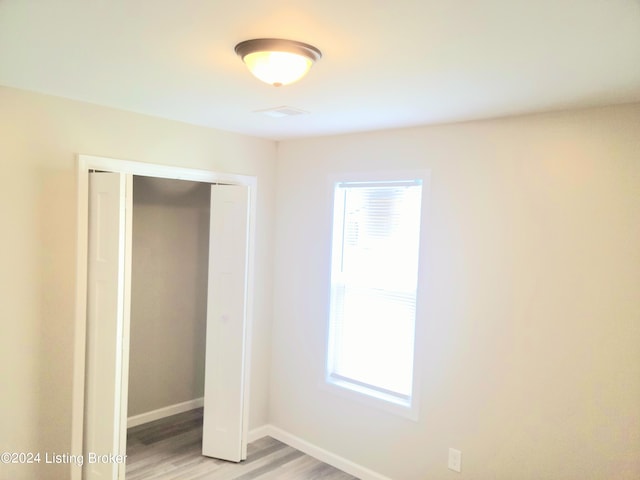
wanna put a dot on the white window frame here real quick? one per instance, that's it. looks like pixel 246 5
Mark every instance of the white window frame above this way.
pixel 347 388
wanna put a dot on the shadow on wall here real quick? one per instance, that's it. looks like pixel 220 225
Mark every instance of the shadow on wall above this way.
pixel 56 212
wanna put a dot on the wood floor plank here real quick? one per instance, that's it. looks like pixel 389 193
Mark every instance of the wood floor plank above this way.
pixel 171 449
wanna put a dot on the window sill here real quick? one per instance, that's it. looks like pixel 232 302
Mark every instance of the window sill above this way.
pixel 373 398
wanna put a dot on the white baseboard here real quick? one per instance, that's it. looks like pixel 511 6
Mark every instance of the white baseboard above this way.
pixel 312 450
pixel 256 433
pixel 163 412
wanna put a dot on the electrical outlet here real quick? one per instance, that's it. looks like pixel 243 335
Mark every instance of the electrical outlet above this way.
pixel 455 460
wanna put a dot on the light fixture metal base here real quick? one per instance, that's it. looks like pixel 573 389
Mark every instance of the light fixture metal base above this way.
pixel 278 45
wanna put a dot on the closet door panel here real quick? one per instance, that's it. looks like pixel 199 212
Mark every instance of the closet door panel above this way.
pixel 107 322
pixel 224 390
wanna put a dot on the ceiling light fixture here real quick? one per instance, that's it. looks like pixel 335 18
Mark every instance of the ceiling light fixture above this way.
pixel 276 61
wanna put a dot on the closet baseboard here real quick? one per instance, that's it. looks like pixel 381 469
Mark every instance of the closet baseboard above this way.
pixel 163 412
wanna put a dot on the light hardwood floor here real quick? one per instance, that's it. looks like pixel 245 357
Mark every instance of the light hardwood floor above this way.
pixel 170 449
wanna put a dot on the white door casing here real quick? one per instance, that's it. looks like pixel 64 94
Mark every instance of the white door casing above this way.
pixel 224 430
pixel 107 323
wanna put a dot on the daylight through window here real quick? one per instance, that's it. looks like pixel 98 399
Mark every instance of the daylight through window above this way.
pixel 376 236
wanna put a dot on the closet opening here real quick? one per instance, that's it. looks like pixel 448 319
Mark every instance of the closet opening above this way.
pixel 164 304
pixel 169 276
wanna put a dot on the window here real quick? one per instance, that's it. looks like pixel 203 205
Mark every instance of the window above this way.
pixel 374 276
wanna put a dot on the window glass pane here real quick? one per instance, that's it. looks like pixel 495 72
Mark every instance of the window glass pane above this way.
pixel 374 277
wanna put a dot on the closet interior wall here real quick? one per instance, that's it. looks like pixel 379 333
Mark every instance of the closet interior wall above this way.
pixel 169 293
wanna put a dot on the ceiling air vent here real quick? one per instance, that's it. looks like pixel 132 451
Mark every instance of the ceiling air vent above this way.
pixel 279 112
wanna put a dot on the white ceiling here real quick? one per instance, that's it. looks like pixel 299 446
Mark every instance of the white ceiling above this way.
pixel 385 63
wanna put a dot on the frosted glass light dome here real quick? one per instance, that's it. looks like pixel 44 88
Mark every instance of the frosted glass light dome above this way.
pixel 277 62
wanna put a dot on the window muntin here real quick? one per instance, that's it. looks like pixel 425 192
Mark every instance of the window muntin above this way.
pixel 376 234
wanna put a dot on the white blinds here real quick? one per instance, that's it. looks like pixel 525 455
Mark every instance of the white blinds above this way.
pixel 376 234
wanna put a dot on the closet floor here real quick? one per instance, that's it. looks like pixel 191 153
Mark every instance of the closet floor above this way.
pixel 170 449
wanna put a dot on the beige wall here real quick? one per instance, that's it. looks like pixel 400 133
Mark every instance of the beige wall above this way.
pixel 529 342
pixel 168 292
pixel 529 338
pixel 40 137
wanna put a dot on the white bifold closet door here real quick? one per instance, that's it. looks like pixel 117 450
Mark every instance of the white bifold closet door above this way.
pixel 108 307
pixel 225 429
